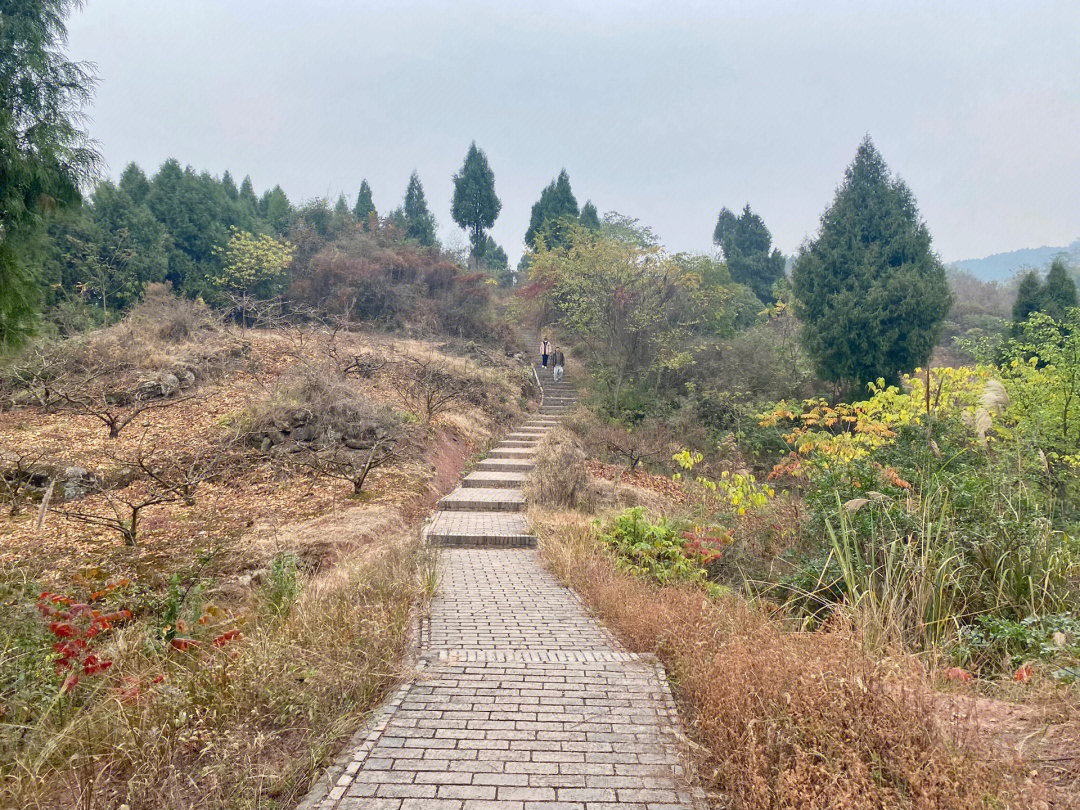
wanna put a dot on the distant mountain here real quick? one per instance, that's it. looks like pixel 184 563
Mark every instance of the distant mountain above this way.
pixel 1003 266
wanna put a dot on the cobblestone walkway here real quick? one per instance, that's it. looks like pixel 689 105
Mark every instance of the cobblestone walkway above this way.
pixel 522 701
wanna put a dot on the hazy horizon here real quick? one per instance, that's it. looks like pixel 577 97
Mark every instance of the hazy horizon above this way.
pixel 665 115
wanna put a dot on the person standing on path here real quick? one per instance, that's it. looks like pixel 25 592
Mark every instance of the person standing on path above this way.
pixel 545 347
pixel 558 361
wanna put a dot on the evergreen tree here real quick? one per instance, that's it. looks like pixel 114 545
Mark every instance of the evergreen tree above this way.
pixel 130 250
pixel 589 217
pixel 551 213
pixel 278 212
pixel 474 206
pixel 419 224
pixel 246 196
pixel 365 207
pixel 493 259
pixel 1028 298
pixel 1058 292
pixel 870 291
pixel 745 243
pixel 229 186
pixel 133 182
pixel 44 156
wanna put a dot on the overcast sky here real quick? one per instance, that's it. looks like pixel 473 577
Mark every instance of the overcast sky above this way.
pixel 662 111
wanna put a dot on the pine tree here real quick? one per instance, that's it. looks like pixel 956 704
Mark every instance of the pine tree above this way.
pixel 746 242
pixel 474 206
pixel 870 291
pixel 44 156
pixel 229 186
pixel 1028 298
pixel 589 217
pixel 552 211
pixel 364 208
pixel 133 182
pixel 419 224
pixel 1058 292
pixel 278 212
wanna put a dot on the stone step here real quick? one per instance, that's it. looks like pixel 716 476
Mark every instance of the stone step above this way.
pixel 493 529
pixel 522 436
pixel 495 480
pixel 483 499
pixel 504 465
pixel 512 452
pixel 519 443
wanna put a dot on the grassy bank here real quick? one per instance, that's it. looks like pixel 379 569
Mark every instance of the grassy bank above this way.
pixel 787 719
pixel 237 709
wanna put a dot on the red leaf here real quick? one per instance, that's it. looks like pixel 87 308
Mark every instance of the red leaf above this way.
pixel 226 637
pixel 958 674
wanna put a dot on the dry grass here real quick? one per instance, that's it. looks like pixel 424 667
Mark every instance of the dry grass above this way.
pixel 245 725
pixel 559 477
pixel 788 720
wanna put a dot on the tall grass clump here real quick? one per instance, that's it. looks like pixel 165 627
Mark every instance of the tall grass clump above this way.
pixel 786 719
pixel 224 709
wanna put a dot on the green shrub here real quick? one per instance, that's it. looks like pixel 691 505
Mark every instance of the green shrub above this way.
pixel 993 641
pixel 651 550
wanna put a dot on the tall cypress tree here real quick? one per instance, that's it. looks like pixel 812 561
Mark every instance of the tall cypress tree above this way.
pixel 419 224
pixel 133 182
pixel 1028 298
pixel 44 156
pixel 1058 292
pixel 870 291
pixel 551 212
pixel 474 206
pixel 589 217
pixel 365 207
pixel 747 247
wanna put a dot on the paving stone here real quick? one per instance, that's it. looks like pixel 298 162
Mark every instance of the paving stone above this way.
pixel 504 465
pixel 464 528
pixel 523 699
pixel 495 480
pixel 481 499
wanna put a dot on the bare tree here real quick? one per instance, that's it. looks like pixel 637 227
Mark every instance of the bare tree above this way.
pixel 153 478
pixel 116 409
pixel 343 463
pixel 425 386
pixel 648 441
pixel 18 470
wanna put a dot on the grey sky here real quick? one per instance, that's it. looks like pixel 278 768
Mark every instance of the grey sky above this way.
pixel 665 111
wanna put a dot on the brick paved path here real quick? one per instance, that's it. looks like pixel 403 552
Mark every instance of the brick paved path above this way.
pixel 522 701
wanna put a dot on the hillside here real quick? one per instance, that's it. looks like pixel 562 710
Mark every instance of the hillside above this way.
pixel 1003 266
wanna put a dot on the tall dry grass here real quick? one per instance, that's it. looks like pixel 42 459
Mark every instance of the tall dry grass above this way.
pixel 787 719
pixel 245 725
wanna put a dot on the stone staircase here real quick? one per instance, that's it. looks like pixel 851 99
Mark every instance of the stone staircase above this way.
pixel 488 508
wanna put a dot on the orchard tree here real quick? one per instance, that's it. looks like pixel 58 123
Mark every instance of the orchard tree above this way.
pixel 553 213
pixel 745 243
pixel 364 208
pixel 475 206
pixel 418 222
pixel 44 156
pixel 869 289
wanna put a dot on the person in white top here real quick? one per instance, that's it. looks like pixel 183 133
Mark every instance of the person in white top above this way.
pixel 545 348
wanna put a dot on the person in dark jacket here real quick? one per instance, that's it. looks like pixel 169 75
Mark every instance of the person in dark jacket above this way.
pixel 558 360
